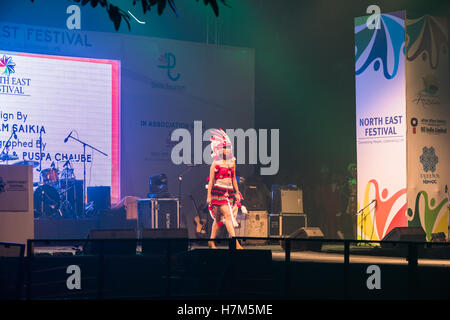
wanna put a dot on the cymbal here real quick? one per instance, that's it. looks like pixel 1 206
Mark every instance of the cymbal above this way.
pixel 7 157
pixel 24 162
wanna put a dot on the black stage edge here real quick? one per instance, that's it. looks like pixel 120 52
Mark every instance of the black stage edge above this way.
pixel 79 228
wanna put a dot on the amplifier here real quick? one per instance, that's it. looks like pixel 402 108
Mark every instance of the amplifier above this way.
pixel 284 225
pixel 101 196
pixel 158 213
pixel 254 197
pixel 286 199
pixel 253 224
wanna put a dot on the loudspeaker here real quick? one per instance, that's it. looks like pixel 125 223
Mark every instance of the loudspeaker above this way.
pixel 286 199
pixel 306 233
pixel 413 234
pixel 161 246
pixel 254 197
pixel 284 225
pixel 101 196
pixel 111 247
pixel 438 237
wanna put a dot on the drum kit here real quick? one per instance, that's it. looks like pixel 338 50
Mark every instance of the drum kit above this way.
pixel 51 192
pixel 55 194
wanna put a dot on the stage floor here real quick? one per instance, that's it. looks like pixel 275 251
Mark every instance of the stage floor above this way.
pixel 278 254
pixel 329 254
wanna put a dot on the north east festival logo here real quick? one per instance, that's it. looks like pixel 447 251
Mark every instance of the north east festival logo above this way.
pixel 11 85
pixel 7 66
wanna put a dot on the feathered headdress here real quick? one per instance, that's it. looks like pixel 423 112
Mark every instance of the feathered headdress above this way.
pixel 219 139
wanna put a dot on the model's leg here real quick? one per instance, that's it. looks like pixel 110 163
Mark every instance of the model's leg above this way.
pixel 215 227
pixel 225 209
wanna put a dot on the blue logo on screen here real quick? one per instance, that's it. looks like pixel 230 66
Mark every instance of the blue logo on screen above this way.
pixel 169 61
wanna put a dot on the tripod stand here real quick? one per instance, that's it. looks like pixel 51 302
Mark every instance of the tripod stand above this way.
pixel 363 218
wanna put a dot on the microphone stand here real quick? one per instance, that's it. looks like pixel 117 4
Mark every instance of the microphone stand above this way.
pixel 40 157
pixel 84 165
pixel 364 216
pixel 7 147
pixel 40 174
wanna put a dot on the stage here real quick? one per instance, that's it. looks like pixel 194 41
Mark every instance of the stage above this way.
pixel 328 254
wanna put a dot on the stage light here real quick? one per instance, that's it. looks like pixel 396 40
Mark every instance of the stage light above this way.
pixel 158 186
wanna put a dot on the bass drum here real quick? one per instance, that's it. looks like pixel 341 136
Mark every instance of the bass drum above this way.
pixel 46 202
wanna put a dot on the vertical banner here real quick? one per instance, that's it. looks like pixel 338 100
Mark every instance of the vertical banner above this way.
pixel 428 119
pixel 381 124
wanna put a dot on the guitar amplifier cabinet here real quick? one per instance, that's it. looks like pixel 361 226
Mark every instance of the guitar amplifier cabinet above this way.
pixel 286 200
pixel 158 213
pixel 284 225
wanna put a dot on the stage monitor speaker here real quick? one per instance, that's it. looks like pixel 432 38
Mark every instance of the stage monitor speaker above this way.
pixel 413 234
pixel 306 233
pixel 101 196
pixel 285 225
pixel 160 246
pixel 438 237
pixel 112 247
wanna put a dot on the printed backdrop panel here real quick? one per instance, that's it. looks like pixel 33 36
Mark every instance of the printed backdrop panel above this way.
pixel 428 119
pixel 381 126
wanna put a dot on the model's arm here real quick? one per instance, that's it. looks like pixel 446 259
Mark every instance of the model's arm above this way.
pixel 235 185
pixel 211 182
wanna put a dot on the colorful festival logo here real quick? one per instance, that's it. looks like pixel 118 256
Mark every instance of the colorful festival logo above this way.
pixel 429 159
pixel 382 46
pixel 430 219
pixel 383 219
pixel 6 66
pixel 426 37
